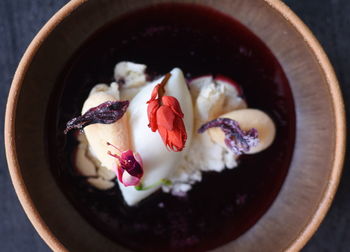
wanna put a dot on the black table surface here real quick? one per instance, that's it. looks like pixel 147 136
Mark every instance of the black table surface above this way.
pixel 20 20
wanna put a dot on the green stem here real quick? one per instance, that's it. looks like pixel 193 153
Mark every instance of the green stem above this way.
pixel 166 182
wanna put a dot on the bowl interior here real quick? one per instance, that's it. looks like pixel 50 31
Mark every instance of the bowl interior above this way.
pixel 313 164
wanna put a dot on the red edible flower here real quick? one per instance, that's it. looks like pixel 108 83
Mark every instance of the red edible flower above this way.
pixel 129 171
pixel 165 115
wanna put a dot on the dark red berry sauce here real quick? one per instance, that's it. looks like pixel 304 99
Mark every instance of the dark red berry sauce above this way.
pixel 200 41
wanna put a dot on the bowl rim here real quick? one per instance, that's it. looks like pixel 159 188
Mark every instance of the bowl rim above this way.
pixel 280 8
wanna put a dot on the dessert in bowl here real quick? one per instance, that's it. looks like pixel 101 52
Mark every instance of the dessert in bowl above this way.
pixel 209 54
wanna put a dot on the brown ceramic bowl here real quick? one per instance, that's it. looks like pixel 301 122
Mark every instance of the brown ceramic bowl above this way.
pixel 318 157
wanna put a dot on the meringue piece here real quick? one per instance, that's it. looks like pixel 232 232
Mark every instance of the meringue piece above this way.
pixel 130 74
pixel 89 166
pixel 100 183
pixel 82 163
pixel 214 97
pixel 198 83
pixel 210 101
pixel 131 77
pixel 247 119
pixel 99 134
pixel 158 162
pixel 232 100
pixel 105 173
pixel 81 138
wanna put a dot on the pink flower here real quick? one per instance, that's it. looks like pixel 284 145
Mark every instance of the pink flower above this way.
pixel 129 170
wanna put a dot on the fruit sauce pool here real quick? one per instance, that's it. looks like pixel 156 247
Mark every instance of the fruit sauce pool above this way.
pixel 200 41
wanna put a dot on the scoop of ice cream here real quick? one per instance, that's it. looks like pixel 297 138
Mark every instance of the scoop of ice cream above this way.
pixel 158 162
pixel 99 134
pixel 247 119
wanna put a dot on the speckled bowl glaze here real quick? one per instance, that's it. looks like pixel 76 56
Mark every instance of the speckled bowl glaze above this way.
pixel 318 156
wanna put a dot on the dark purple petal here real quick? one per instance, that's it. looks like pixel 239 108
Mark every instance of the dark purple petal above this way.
pixel 236 139
pixel 105 113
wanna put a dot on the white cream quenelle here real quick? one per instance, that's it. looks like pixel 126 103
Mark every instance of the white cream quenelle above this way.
pixel 158 162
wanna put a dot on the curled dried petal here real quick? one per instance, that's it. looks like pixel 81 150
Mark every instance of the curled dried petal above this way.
pixel 236 139
pixel 105 113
